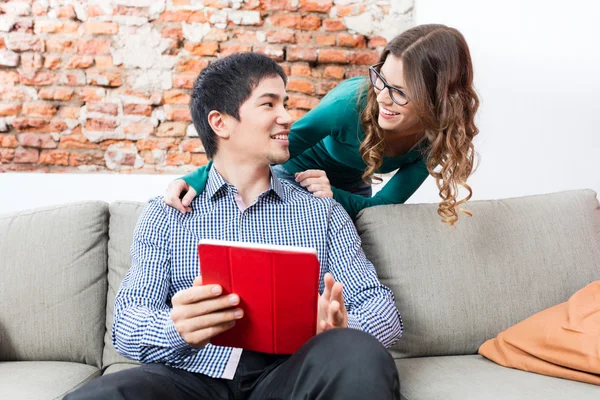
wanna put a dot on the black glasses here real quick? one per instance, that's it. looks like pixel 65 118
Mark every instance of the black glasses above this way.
pixel 397 95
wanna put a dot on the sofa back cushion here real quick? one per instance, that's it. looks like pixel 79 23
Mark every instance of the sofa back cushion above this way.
pixel 53 287
pixel 457 288
pixel 123 219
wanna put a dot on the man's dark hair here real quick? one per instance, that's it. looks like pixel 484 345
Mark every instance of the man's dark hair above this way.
pixel 224 86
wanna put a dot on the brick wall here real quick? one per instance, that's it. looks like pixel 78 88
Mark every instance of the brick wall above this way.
pixel 104 85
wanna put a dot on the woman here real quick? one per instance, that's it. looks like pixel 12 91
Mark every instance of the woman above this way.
pixel 414 114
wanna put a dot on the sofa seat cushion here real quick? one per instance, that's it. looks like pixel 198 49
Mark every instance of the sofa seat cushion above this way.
pixel 41 380
pixel 473 377
pixel 118 367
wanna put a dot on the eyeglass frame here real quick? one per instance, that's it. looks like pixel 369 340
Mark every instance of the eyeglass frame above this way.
pixel 386 85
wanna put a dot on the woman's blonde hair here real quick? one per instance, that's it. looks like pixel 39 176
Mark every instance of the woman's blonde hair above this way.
pixel 439 78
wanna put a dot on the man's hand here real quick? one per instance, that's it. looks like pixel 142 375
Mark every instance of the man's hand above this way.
pixel 315 181
pixel 173 194
pixel 332 311
pixel 201 312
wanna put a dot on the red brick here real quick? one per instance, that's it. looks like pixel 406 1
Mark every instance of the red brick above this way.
pixel 43 110
pixel 192 146
pixel 300 53
pixel 171 129
pixel 87 158
pixel 69 112
pixel 76 141
pixel 104 62
pixel 139 128
pixel 279 5
pixel 199 159
pixel 175 16
pixel 281 36
pixel 377 41
pixel 8 141
pixel 368 57
pixel 309 22
pixel 178 158
pixel 2 44
pixel 95 10
pixel 12 93
pixel 181 2
pixel 325 40
pixel 177 113
pixel 25 43
pixel 89 94
pixel 99 124
pixel 137 109
pixel 103 108
pixel 38 140
pixel 200 17
pixel 176 97
pixel 38 9
pixel 297 114
pixel 53 26
pixel 324 87
pixel 272 51
pixel 100 28
pixel 7 110
pixel 8 77
pixel 229 49
pixel 93 46
pixel 301 69
pixel 59 94
pixel 54 157
pixel 80 62
pixel 157 144
pixel 334 56
pixel 66 12
pixel 131 11
pixel 348 40
pixel 22 26
pixel 38 78
pixel 304 37
pixel 219 4
pixel 59 45
pixel 183 81
pixel 52 61
pixel 331 24
pixel 110 79
pixel 191 65
pixel 202 49
pixel 300 85
pixel 6 155
pixel 333 71
pixel 322 6
pixel 303 102
pixel 31 60
pixel 245 36
pixel 73 78
pixel 24 156
pixel 172 32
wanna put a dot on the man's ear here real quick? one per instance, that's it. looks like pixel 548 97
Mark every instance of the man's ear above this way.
pixel 218 123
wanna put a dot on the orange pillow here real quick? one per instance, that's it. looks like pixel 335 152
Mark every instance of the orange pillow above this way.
pixel 562 341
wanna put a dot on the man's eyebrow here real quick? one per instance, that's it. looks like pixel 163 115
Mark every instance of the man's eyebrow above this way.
pixel 273 96
pixel 396 86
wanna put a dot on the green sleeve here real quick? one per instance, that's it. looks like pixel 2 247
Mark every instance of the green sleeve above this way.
pixel 197 179
pixel 398 189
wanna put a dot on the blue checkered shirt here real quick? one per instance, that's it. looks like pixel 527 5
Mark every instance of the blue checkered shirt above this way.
pixel 165 261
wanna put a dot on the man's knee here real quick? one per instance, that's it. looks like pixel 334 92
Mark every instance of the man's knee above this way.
pixel 351 345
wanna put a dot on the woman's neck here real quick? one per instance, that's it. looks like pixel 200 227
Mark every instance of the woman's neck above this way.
pixel 400 144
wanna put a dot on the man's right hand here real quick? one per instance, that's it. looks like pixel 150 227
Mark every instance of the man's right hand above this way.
pixel 202 312
pixel 174 190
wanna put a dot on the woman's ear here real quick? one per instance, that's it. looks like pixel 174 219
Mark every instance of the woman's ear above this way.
pixel 217 122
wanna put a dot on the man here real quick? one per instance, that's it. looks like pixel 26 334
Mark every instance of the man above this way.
pixel 164 315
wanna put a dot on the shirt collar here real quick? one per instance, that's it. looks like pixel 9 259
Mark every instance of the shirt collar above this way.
pixel 216 182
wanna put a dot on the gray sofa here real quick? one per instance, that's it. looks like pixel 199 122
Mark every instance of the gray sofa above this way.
pixel 61 266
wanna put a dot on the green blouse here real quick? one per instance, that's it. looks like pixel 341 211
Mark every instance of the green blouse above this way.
pixel 328 138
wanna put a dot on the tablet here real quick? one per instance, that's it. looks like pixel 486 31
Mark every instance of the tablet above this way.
pixel 278 288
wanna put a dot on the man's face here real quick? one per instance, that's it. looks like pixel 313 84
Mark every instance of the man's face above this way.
pixel 261 134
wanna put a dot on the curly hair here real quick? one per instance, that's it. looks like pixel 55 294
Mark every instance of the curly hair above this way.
pixel 438 74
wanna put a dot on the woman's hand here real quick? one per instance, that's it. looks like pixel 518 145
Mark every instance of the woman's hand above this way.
pixel 173 195
pixel 315 181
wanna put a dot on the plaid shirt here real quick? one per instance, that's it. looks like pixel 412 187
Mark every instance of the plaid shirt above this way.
pixel 165 261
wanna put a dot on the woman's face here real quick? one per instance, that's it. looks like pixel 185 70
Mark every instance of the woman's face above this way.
pixel 394 118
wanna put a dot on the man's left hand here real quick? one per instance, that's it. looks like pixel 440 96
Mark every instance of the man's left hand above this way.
pixel 331 309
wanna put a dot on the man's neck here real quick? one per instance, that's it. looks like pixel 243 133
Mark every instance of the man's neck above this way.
pixel 249 179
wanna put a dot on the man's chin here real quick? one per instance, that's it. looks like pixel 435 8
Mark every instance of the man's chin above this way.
pixel 279 158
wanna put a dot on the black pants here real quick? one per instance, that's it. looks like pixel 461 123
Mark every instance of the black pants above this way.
pixel 338 364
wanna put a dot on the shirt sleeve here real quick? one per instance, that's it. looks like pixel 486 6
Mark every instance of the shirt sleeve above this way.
pixel 197 179
pixel 370 304
pixel 143 329
pixel 399 188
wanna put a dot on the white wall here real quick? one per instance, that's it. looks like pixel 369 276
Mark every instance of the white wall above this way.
pixel 537 69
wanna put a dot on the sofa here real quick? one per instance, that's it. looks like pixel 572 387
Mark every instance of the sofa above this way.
pixel 61 267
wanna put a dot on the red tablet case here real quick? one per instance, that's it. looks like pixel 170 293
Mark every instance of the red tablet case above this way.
pixel 278 288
